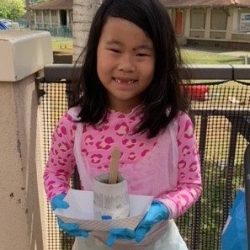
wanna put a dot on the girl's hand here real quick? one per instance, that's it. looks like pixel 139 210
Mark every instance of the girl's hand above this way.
pixel 71 229
pixel 156 213
pixel 119 234
pixel 58 202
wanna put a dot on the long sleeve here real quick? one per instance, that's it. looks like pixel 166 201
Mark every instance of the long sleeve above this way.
pixel 61 161
pixel 189 186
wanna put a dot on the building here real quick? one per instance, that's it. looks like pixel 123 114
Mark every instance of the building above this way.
pixel 55 16
pixel 216 21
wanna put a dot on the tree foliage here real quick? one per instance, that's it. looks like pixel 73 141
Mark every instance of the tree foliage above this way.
pixel 12 9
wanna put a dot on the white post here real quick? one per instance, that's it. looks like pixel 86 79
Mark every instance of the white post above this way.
pixel 23 55
pixel 42 18
pixel 187 24
pixel 68 16
pixel 58 19
pixel 35 19
pixel 50 19
pixel 208 23
pixel 235 21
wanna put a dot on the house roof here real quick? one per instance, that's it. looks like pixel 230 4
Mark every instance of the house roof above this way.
pixel 68 4
pixel 205 3
pixel 53 5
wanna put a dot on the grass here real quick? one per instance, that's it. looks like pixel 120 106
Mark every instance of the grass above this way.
pixel 62 44
pixel 190 56
pixel 204 57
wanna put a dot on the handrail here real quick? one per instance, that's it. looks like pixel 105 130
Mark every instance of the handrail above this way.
pixel 60 72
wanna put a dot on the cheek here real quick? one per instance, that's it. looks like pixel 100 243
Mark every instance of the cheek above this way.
pixel 101 65
pixel 104 65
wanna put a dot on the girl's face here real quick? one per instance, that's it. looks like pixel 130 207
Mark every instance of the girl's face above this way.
pixel 125 63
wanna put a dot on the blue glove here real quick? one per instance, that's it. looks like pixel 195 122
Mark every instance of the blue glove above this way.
pixel 119 234
pixel 156 213
pixel 58 202
pixel 71 229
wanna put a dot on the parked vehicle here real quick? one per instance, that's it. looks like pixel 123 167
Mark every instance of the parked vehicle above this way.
pixel 7 23
pixel 3 26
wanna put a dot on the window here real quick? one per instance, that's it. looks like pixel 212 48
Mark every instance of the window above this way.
pixel 39 16
pixel 54 17
pixel 54 13
pixel 198 18
pixel 46 16
pixel 219 19
pixel 245 22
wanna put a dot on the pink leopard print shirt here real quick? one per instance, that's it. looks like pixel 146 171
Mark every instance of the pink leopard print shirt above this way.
pixel 118 130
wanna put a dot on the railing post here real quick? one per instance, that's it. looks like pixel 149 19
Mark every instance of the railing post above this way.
pixel 196 239
pixel 22 55
pixel 230 167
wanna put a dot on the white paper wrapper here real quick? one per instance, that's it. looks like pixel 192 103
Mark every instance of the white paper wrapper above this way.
pixel 81 211
pixel 110 200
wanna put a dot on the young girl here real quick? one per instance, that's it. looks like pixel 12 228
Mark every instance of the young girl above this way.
pixel 129 96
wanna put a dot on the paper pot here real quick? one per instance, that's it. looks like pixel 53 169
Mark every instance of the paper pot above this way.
pixel 111 201
pixel 81 211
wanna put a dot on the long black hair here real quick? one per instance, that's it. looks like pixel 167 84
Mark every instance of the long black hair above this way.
pixel 164 97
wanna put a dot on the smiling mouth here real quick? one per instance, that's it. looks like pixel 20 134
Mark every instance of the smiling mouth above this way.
pixel 124 81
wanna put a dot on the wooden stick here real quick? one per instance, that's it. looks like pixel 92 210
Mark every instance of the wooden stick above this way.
pixel 113 167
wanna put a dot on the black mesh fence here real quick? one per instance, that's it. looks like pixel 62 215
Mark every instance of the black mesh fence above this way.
pixel 222 123
pixel 53 104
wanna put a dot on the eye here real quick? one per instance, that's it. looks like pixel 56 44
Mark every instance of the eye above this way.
pixel 114 50
pixel 142 54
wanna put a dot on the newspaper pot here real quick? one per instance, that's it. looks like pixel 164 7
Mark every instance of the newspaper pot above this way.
pixel 111 201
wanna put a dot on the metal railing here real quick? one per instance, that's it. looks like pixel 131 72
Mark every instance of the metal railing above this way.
pixel 220 97
pixel 60 31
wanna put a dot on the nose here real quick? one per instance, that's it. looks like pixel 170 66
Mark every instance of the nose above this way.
pixel 126 63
